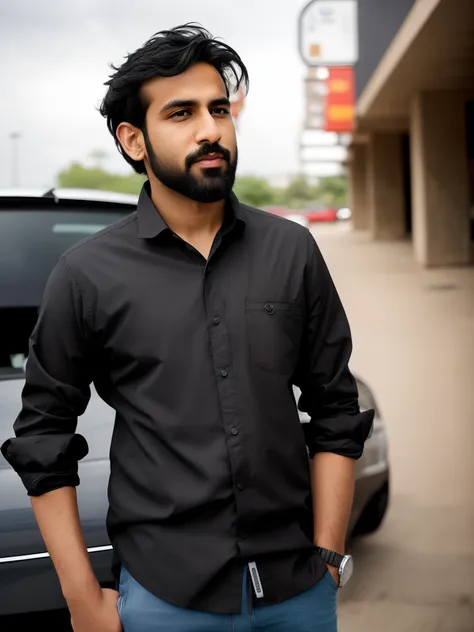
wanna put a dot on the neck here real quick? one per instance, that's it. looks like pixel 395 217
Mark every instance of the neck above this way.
pixel 185 217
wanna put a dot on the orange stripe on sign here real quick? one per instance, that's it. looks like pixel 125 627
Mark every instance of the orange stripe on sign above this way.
pixel 340 100
pixel 341 112
pixel 339 86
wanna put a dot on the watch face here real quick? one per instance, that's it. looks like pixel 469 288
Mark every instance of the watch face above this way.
pixel 346 570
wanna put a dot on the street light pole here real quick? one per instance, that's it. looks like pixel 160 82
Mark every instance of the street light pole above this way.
pixel 15 136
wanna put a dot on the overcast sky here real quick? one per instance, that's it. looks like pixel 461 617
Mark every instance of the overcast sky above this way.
pixel 54 61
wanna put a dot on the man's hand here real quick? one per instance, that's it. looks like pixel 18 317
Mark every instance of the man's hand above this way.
pixel 335 573
pixel 96 615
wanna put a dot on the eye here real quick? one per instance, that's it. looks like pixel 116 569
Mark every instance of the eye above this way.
pixel 221 111
pixel 181 114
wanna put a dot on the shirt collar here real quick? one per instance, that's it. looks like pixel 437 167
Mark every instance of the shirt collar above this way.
pixel 151 224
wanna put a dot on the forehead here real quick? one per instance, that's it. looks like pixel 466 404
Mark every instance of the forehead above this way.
pixel 200 82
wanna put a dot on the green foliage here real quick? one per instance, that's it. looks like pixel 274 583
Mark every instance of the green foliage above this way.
pixel 299 193
pixel 332 191
pixel 252 190
pixel 81 177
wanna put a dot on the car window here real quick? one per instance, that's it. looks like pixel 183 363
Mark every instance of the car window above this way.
pixel 31 241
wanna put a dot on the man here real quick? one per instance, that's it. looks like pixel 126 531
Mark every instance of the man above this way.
pixel 193 318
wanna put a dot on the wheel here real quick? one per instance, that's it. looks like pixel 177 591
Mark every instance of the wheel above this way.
pixel 374 512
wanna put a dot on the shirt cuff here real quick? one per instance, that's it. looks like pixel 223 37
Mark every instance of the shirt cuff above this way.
pixel 46 462
pixel 44 483
pixel 344 435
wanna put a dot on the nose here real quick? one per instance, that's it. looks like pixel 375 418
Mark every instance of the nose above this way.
pixel 208 130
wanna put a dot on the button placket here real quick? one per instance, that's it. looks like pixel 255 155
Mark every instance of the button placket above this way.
pixel 222 359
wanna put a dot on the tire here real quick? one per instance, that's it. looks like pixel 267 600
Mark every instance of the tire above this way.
pixel 374 512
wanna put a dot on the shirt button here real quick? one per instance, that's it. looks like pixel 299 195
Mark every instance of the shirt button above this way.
pixel 224 373
pixel 240 487
pixel 234 432
pixel 269 308
pixel 216 320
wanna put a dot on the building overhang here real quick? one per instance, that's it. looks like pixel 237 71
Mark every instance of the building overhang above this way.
pixel 433 50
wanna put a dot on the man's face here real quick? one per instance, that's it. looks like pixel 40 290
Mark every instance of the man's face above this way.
pixel 190 136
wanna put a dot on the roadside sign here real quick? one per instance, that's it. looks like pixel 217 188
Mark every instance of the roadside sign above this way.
pixel 340 100
pixel 328 33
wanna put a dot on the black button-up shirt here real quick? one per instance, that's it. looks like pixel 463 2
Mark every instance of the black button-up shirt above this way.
pixel 209 460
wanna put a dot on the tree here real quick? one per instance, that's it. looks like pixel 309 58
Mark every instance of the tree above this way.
pixel 332 191
pixel 98 156
pixel 78 176
pixel 254 191
pixel 299 193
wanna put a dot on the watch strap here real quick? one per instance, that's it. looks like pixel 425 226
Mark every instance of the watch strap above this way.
pixel 330 557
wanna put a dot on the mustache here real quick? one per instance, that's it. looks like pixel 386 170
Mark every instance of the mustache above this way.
pixel 204 150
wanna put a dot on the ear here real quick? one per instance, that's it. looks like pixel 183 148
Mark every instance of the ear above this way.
pixel 131 139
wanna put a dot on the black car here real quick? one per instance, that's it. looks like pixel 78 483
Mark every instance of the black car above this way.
pixel 35 229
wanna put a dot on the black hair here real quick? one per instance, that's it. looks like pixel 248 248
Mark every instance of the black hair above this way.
pixel 166 54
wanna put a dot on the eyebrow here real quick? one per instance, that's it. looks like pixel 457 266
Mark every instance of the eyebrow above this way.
pixel 192 103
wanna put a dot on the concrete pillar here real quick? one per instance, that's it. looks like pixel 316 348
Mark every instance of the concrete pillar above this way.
pixel 358 201
pixel 440 182
pixel 385 186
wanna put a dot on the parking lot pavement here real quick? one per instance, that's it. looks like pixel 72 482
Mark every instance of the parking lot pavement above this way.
pixel 413 332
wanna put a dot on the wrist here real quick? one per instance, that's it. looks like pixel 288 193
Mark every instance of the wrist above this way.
pixel 81 590
pixel 338 546
pixel 340 566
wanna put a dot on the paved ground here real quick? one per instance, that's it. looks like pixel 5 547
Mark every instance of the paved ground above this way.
pixel 414 343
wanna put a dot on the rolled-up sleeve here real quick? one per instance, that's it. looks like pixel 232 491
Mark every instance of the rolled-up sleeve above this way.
pixel 46 449
pixel 329 393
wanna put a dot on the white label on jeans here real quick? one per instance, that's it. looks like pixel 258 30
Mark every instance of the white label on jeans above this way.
pixel 257 584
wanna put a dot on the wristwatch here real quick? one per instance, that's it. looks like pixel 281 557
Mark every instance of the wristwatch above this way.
pixel 344 563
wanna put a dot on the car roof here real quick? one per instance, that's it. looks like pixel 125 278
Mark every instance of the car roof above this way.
pixel 69 194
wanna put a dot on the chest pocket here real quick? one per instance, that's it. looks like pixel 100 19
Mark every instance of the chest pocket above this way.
pixel 274 331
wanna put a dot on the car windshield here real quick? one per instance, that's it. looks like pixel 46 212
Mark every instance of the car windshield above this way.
pixel 31 241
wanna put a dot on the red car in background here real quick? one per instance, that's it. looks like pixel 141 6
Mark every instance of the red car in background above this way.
pixel 310 215
pixel 322 215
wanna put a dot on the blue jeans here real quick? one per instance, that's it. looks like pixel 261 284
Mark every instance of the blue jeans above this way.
pixel 314 610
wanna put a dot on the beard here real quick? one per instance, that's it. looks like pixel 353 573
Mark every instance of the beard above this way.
pixel 211 185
